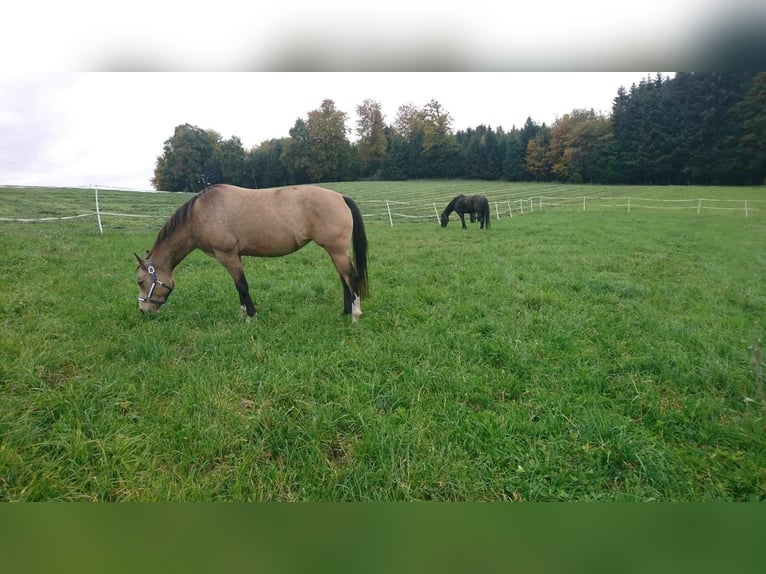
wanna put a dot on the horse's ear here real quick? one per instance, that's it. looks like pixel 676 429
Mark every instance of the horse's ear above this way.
pixel 141 261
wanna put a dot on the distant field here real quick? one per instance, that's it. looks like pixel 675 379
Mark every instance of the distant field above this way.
pixel 410 201
pixel 561 355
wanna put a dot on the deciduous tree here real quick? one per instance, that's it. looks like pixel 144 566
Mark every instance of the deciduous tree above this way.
pixel 440 148
pixel 229 155
pixel 328 144
pixel 371 133
pixel 187 162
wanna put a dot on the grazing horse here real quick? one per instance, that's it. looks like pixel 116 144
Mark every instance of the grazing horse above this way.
pixel 476 206
pixel 226 222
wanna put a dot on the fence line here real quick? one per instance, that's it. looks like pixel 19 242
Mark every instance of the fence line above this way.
pixel 36 219
pixel 411 211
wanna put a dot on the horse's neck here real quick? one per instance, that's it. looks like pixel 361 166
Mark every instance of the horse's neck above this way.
pixel 171 251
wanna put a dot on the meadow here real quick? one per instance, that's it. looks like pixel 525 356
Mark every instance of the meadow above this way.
pixel 562 355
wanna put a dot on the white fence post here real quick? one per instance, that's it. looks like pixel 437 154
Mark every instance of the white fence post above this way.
pixel 390 219
pixel 699 207
pixel 98 212
pixel 510 211
pixel 628 204
pixel 745 208
pixel 583 203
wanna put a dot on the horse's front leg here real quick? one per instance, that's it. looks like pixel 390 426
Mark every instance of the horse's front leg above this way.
pixel 462 220
pixel 233 264
pixel 246 304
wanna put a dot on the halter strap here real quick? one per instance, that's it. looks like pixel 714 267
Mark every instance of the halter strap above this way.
pixel 155 282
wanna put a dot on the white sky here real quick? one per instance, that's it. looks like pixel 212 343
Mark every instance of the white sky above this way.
pixel 109 128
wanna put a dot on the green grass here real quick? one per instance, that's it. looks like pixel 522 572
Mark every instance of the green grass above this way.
pixel 411 201
pixel 560 356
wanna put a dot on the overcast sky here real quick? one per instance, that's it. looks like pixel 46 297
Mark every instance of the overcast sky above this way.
pixel 108 128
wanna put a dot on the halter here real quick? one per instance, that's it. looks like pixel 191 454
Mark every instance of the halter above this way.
pixel 155 282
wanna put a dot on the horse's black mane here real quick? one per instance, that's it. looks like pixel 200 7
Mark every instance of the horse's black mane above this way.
pixel 180 217
pixel 451 205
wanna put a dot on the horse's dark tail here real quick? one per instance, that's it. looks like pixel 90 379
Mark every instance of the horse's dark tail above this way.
pixel 359 239
pixel 486 215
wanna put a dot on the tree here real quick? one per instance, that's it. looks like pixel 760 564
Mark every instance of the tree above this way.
pixel 492 152
pixel 751 111
pixel 328 145
pixel 229 158
pixel 683 130
pixel 622 127
pixel 264 166
pixel 580 148
pixel 482 153
pixel 350 168
pixel 471 155
pixel 527 134
pixel 513 161
pixel 731 166
pixel 647 129
pixel 396 163
pixel 698 127
pixel 597 159
pixel 559 149
pixel 295 156
pixel 408 121
pixel 537 161
pixel 407 132
pixel 372 143
pixel 187 162
pixel 318 148
pixel 440 148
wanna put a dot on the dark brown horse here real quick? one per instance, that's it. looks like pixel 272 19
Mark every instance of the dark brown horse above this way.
pixel 476 206
pixel 226 222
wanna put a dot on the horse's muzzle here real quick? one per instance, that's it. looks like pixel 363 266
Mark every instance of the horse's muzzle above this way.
pixel 146 307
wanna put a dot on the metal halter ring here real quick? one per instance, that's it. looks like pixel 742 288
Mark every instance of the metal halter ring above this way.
pixel 155 282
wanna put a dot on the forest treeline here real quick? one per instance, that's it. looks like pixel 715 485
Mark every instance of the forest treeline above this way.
pixel 694 128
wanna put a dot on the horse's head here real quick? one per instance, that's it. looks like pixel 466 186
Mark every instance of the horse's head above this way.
pixel 153 292
pixel 444 219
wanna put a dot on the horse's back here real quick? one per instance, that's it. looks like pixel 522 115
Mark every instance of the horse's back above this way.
pixel 253 202
pixel 272 221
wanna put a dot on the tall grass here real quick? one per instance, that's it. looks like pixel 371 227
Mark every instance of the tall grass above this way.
pixel 560 356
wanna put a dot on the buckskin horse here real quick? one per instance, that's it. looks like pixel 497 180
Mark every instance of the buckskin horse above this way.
pixel 476 206
pixel 226 222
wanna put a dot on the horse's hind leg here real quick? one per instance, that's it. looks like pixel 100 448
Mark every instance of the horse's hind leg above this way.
pixel 348 298
pixel 349 279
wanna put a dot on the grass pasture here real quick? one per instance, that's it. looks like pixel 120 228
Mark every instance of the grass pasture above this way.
pixel 561 356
